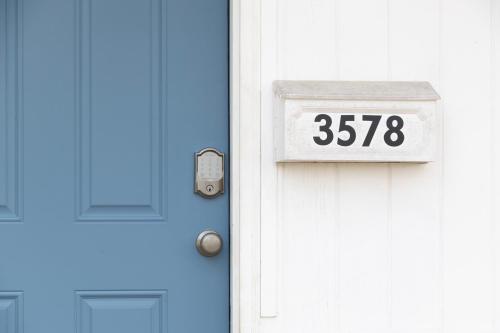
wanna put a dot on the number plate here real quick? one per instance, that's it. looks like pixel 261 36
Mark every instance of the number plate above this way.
pixel 356 131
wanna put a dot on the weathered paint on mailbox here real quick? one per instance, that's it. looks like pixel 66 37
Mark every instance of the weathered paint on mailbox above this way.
pixel 329 121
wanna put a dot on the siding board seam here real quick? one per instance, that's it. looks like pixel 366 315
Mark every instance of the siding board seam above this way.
pixel 493 156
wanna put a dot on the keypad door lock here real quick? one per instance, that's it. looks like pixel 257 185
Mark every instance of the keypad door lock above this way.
pixel 209 173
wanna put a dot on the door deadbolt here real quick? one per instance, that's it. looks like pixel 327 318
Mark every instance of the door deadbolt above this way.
pixel 209 243
pixel 209 173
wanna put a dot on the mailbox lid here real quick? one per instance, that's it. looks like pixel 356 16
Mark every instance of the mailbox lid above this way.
pixel 356 90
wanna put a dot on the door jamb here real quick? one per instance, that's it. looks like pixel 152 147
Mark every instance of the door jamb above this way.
pixel 245 163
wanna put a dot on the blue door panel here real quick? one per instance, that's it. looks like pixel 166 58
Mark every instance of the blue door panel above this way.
pixel 103 104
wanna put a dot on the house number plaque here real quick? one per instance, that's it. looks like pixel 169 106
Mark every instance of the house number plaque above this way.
pixel 335 121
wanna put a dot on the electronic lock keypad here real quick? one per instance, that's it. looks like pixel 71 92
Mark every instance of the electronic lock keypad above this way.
pixel 209 173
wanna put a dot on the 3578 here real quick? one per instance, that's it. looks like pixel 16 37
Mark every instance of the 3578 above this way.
pixel 393 136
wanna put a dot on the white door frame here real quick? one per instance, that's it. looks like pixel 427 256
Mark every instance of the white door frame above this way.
pixel 245 143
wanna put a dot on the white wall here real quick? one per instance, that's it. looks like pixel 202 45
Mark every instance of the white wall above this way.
pixel 374 247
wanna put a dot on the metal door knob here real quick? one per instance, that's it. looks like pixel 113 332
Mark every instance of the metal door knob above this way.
pixel 209 243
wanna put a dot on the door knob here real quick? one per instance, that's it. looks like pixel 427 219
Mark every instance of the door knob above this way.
pixel 209 243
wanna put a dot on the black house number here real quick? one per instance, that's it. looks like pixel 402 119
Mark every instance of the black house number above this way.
pixel 394 126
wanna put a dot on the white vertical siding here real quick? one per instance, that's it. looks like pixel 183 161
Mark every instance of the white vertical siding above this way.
pixel 416 189
pixel 364 196
pixel 495 151
pixel 384 247
pixel 467 177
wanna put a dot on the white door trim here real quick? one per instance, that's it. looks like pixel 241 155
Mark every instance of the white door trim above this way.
pixel 245 141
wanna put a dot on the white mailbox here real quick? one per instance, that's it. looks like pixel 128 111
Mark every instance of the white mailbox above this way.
pixel 330 121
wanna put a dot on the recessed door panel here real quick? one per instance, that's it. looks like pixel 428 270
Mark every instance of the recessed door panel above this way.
pixel 10 117
pixel 11 312
pixel 121 94
pixel 126 312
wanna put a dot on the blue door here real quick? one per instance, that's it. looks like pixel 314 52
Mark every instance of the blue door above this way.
pixel 103 105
